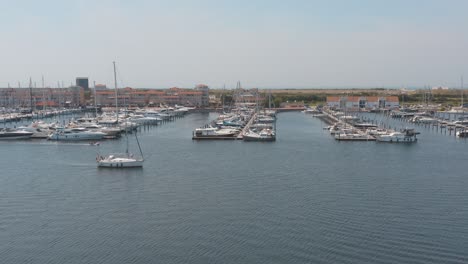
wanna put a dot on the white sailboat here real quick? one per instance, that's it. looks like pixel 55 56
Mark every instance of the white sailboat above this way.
pixel 121 160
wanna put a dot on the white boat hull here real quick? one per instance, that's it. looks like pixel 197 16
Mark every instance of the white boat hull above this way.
pixel 397 140
pixel 77 136
pixel 120 163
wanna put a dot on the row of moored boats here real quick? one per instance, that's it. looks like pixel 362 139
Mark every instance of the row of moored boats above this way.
pixel 351 128
pixel 105 126
pixel 242 123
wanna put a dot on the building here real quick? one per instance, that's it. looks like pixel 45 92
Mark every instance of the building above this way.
pixel 82 82
pixel 151 97
pixel 100 87
pixel 41 97
pixel 334 102
pixel 248 96
pixel 440 88
pixel 205 90
pixel 355 103
pixel 293 105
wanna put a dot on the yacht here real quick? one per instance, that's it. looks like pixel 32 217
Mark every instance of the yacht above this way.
pixel 36 132
pixel 119 160
pixel 215 132
pixel 8 133
pixel 377 131
pixel 265 119
pixel 313 111
pixel 406 136
pixel 75 134
pixel 423 120
pixel 263 135
pixel 353 137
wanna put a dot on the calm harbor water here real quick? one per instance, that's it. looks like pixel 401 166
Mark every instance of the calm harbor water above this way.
pixel 305 198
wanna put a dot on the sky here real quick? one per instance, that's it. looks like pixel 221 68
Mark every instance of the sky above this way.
pixel 261 43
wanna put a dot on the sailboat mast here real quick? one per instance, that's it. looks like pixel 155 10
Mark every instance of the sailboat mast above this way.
pixel 30 94
pixel 95 104
pixel 222 98
pixel 461 79
pixel 116 94
pixel 269 99
pixel 43 95
pixel 139 147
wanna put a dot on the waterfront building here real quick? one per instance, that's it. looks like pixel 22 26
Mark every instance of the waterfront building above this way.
pixel 294 104
pixel 198 97
pixel 75 96
pixel 355 103
pixel 205 90
pixel 41 97
pixel 334 102
pixel 248 96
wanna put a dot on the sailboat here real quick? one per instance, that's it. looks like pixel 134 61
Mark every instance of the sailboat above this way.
pixel 121 160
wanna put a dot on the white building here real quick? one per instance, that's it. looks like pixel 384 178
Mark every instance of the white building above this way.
pixel 354 103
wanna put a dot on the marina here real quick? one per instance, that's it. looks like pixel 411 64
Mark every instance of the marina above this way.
pixel 61 198
pixel 126 136
pixel 353 128
pixel 246 121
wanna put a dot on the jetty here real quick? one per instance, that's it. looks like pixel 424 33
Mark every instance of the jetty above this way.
pixel 352 128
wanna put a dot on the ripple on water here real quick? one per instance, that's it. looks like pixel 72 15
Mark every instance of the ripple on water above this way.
pixel 302 199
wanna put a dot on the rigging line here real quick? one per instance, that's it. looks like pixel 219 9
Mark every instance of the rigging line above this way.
pixel 139 147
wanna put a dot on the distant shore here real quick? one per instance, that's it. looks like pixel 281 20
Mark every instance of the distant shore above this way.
pixel 445 97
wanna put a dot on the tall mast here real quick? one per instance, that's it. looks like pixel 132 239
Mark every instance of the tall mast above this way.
pixel 222 98
pixel 59 94
pixel 116 106
pixel 95 104
pixel 30 94
pixel 461 79
pixel 43 95
pixel 139 147
pixel 269 99
pixel 115 85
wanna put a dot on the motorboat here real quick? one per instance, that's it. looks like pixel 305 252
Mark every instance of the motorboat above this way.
pixel 76 134
pixel 377 131
pixel 215 132
pixel 9 133
pixel 423 120
pixel 119 160
pixel 312 111
pixel 263 135
pixel 353 137
pixel 405 136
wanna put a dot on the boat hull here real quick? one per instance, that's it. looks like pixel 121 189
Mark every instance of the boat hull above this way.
pixel 120 164
pixel 397 140
pixel 11 137
pixel 72 137
pixel 268 139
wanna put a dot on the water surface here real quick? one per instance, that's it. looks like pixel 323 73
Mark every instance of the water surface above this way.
pixel 305 198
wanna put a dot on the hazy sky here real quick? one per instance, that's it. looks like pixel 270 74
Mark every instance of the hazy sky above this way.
pixel 262 43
